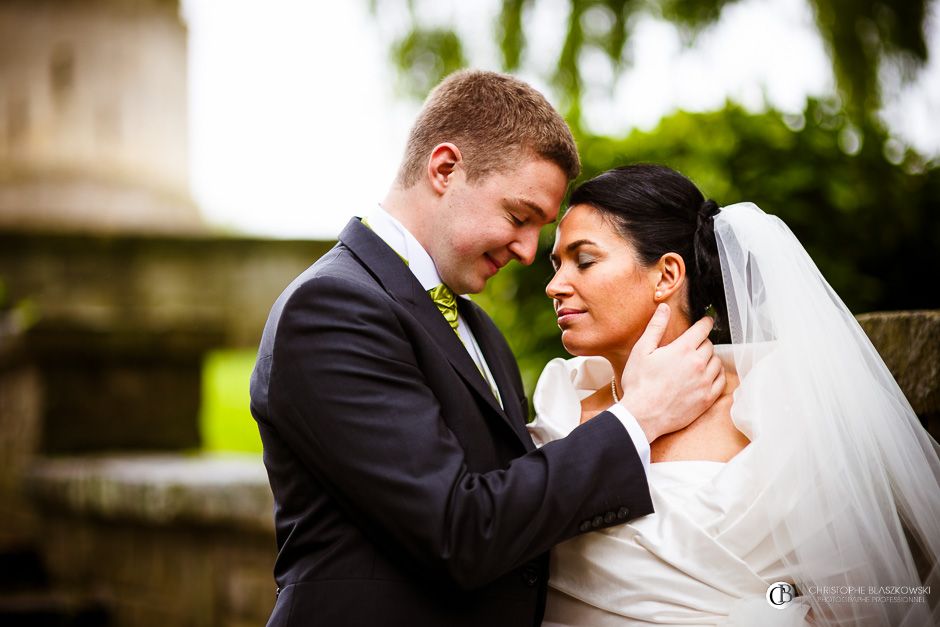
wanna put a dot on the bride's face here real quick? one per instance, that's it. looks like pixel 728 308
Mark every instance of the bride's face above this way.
pixel 603 296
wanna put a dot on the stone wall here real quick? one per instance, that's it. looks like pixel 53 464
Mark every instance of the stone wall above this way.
pixel 113 361
pixel 909 343
pixel 156 283
pixel 161 540
pixel 187 540
pixel 19 443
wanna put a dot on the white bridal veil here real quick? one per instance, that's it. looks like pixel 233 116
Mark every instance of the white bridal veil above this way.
pixel 855 503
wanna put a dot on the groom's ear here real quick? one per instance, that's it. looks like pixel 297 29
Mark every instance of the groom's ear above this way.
pixel 669 275
pixel 443 166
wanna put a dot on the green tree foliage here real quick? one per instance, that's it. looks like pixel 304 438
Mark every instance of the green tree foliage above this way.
pixel 605 25
pixel 867 210
pixel 15 316
pixel 871 225
pixel 424 56
pixel 863 38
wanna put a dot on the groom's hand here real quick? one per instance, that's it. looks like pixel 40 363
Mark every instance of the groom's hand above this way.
pixel 667 387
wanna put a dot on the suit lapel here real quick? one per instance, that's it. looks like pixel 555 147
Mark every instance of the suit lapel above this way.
pixel 499 369
pixel 400 282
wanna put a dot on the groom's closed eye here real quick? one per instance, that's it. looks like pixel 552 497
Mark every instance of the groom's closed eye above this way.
pixel 524 210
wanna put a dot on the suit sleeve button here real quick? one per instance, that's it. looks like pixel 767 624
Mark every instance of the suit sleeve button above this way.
pixel 610 517
pixel 530 575
pixel 585 526
pixel 597 522
pixel 622 513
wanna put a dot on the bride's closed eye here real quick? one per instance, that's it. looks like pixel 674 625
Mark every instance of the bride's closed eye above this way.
pixel 586 261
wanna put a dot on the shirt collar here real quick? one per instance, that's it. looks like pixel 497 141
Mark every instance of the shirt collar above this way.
pixel 400 239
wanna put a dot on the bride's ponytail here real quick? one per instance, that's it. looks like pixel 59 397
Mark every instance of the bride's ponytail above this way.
pixel 706 290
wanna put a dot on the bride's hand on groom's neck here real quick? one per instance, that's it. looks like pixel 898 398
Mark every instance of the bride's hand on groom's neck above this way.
pixel 667 387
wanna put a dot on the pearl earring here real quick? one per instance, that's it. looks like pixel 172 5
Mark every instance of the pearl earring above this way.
pixel 659 294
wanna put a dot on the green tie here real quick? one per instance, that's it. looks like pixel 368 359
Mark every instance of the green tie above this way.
pixel 445 300
pixel 442 295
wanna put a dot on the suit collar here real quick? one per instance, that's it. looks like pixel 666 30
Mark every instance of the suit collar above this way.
pixel 401 240
pixel 383 262
pixel 389 269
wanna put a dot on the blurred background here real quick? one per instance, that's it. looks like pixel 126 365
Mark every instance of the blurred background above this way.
pixel 167 167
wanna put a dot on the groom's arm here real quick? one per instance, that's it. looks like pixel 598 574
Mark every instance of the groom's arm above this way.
pixel 347 394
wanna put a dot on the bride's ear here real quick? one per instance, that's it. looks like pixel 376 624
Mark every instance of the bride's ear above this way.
pixel 668 276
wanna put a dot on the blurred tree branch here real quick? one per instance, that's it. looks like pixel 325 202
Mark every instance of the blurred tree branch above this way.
pixel 858 200
pixel 870 220
pixel 863 37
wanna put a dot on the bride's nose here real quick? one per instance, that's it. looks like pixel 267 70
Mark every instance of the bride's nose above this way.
pixel 558 287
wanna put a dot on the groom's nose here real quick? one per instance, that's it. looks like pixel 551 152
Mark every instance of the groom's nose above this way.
pixel 525 247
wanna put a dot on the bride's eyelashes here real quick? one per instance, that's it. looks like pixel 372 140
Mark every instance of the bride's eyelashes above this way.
pixel 582 263
pixel 585 262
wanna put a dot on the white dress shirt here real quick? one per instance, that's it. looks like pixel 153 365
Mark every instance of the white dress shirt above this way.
pixel 422 266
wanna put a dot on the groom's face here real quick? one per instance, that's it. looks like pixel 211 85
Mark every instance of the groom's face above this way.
pixel 483 225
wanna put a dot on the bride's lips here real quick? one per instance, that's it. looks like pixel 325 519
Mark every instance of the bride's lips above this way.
pixel 566 316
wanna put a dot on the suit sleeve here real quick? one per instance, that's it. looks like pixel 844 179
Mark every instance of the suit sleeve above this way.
pixel 347 394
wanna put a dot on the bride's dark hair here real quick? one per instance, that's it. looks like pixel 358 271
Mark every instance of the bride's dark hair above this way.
pixel 659 211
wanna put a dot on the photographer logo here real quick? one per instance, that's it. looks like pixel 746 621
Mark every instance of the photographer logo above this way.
pixel 780 595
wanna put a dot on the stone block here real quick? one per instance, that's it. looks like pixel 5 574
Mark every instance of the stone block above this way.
pixel 227 490
pixel 165 540
pixel 118 389
pixel 250 593
pixel 20 416
pixel 213 283
pixel 909 343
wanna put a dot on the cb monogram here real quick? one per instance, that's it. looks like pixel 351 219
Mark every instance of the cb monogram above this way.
pixel 780 594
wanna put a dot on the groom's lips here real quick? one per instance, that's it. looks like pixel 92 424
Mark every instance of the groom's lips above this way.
pixel 566 316
pixel 493 266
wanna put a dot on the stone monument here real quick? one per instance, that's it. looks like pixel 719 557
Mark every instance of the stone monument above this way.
pixel 93 98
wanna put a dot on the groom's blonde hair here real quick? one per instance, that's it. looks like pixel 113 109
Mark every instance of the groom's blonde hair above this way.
pixel 495 120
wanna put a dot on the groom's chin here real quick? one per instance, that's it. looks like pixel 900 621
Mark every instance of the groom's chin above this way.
pixel 473 285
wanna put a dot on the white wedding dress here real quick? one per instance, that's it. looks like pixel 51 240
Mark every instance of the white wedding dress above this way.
pixel 838 490
pixel 703 558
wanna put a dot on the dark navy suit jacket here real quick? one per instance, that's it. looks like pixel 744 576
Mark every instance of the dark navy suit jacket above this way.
pixel 404 494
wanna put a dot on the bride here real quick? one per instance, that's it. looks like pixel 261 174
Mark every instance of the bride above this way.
pixel 810 472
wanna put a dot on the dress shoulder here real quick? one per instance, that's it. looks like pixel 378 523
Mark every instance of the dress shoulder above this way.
pixel 558 393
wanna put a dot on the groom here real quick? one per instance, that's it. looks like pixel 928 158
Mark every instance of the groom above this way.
pixel 393 415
